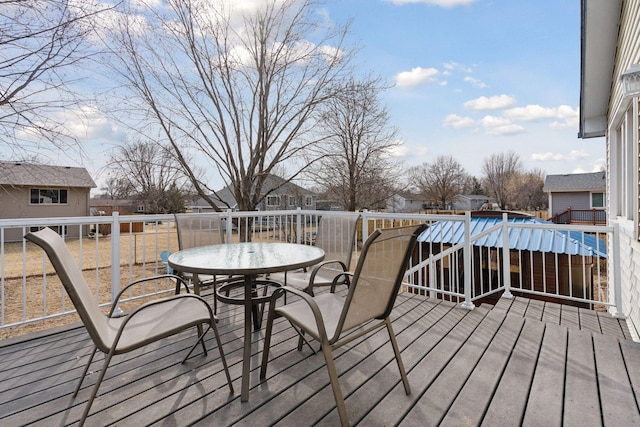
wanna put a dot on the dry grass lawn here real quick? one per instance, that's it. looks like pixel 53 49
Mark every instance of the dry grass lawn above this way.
pixel 25 285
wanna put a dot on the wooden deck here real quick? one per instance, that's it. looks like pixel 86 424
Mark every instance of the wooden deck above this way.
pixel 523 362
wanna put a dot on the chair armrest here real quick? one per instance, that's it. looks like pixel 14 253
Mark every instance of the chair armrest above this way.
pixel 147 279
pixel 317 315
pixel 156 302
pixel 347 275
pixel 323 264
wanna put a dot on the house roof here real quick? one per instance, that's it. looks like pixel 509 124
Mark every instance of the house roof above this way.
pixel 599 34
pixel 473 196
pixel 32 174
pixel 528 239
pixel 575 182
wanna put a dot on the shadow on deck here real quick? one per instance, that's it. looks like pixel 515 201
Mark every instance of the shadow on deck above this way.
pixel 522 362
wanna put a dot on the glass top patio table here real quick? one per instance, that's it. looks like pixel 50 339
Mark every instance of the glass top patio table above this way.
pixel 248 259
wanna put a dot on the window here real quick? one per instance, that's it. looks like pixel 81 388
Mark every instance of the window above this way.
pixel 623 167
pixel 597 200
pixel 292 200
pixel 308 201
pixel 41 196
pixel 273 200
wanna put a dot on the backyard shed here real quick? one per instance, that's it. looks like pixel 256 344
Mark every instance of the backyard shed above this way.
pixel 541 259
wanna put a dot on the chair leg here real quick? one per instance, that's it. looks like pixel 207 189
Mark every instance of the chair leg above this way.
pixel 396 351
pixel 267 338
pixel 200 340
pixel 86 369
pixel 335 385
pixel 224 360
pixel 215 293
pixel 94 392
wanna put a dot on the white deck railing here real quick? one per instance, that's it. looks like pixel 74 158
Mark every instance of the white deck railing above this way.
pixel 463 267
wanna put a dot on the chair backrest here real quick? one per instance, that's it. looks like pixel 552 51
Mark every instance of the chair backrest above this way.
pixel 336 236
pixel 75 284
pixel 378 276
pixel 196 230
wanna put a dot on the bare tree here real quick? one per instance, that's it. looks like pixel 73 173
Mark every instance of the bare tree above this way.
pixel 151 175
pixel 355 166
pixel 528 191
pixel 239 87
pixel 116 187
pixel 501 171
pixel 441 180
pixel 43 45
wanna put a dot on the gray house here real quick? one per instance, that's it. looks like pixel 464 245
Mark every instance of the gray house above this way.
pixel 29 190
pixel 576 192
pixel 470 202
pixel 278 194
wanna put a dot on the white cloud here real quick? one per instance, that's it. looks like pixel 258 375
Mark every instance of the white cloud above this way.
pixel 416 76
pixel 452 65
pixel 441 3
pixel 457 122
pixel 399 149
pixel 537 112
pixel 475 82
pixel 497 102
pixel 548 156
pixel 500 126
pixel 579 154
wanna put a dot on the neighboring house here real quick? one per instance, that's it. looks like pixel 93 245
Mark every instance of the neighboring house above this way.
pixel 407 202
pixel 610 109
pixel 470 202
pixel 576 192
pixel 277 194
pixel 29 190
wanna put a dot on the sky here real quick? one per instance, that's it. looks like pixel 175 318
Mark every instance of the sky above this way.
pixel 477 77
pixel 470 78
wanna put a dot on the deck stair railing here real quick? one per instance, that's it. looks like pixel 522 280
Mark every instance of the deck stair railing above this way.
pixel 580 216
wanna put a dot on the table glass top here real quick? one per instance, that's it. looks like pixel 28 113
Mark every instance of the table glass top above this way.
pixel 247 258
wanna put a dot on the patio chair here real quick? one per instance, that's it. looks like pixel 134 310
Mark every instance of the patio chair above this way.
pixel 148 323
pixel 196 230
pixel 370 296
pixel 336 236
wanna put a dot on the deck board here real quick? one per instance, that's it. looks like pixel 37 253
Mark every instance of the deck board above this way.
pixel 544 407
pixel 619 406
pixel 516 380
pixel 581 406
pixel 492 367
pixel 475 395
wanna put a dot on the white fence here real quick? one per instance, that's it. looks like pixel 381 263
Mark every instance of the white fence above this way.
pixel 459 258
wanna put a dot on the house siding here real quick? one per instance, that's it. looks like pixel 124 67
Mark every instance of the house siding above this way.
pixel 628 52
pixel 15 203
pixel 574 200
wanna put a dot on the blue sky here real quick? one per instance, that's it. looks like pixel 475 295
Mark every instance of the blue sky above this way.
pixel 476 77
pixel 471 78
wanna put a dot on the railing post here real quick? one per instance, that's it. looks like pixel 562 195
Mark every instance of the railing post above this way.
pixel 506 257
pixel 467 253
pixel 365 225
pixel 617 285
pixel 115 260
pixel 299 225
pixel 229 230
